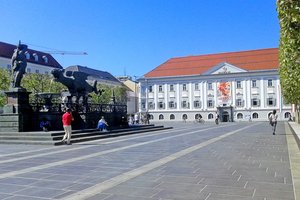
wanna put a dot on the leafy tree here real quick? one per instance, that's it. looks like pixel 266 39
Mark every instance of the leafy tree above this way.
pixel 4 84
pixel 289 49
pixel 106 96
pixel 37 83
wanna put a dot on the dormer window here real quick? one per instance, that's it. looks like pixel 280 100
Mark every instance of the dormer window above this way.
pixel 45 59
pixel 27 54
pixel 36 58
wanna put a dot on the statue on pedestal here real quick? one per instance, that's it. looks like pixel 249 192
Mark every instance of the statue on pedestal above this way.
pixel 19 64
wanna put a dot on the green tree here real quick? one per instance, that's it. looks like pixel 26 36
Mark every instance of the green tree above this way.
pixel 289 49
pixel 106 96
pixel 4 84
pixel 37 83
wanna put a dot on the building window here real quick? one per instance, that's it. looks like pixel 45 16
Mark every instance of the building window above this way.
pixel 46 72
pixel 27 54
pixel 254 84
pixel 151 117
pixel 37 71
pixel 172 104
pixel 255 116
pixel 45 59
pixel 197 116
pixel 143 105
pixel 239 103
pixel 172 117
pixel 271 101
pixel 28 70
pixel 196 86
pixel 209 86
pixel 161 105
pixel 239 84
pixel 210 103
pixel 36 58
pixel 197 104
pixel 185 104
pixel 184 87
pixel 150 88
pixel 240 116
pixel 210 116
pixel 270 83
pixel 171 88
pixel 255 102
pixel 184 117
pixel 160 88
pixel 161 117
pixel 151 105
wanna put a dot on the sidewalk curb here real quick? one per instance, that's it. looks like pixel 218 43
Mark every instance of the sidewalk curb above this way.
pixel 294 133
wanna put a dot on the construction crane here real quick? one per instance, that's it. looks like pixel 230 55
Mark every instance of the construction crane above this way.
pixel 66 52
pixel 55 51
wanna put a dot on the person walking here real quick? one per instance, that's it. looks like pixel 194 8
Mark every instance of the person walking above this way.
pixel 67 119
pixel 273 120
pixel 217 118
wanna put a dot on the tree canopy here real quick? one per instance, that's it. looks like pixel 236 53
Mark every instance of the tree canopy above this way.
pixel 289 49
pixel 38 83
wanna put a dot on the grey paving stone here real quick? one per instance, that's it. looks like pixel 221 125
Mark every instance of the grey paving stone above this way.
pixel 118 197
pixel 234 191
pixel 179 195
pixel 24 198
pixel 8 188
pixel 133 191
pixel 18 181
pixel 40 192
pixel 232 197
pixel 4 196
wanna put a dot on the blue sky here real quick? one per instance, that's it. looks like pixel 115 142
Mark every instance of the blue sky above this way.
pixel 132 37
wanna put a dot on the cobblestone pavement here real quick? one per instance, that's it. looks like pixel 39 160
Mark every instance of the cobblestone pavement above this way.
pixel 231 161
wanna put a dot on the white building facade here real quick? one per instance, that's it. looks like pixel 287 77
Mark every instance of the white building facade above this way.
pixel 37 62
pixel 234 93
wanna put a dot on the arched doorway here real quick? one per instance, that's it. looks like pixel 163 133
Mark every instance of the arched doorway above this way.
pixel 225 116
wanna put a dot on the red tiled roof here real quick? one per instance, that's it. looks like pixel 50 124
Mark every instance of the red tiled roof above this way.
pixel 262 59
pixel 7 50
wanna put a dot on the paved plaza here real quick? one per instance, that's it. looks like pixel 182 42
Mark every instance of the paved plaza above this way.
pixel 230 161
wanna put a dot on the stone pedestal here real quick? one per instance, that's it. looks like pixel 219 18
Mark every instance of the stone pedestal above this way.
pixel 17 112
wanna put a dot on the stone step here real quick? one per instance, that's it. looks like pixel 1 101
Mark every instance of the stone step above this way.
pixel 101 135
pixel 55 137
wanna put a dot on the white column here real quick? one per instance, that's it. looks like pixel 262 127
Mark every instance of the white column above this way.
pixel 166 96
pixel 155 92
pixel 245 94
pixel 204 89
pixel 201 86
pixel 146 93
pixel 190 96
pixel 178 96
pixel 278 95
pixel 214 85
pixel 262 94
pixel 233 93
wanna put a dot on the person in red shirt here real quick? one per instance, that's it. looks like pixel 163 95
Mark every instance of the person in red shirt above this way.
pixel 67 119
